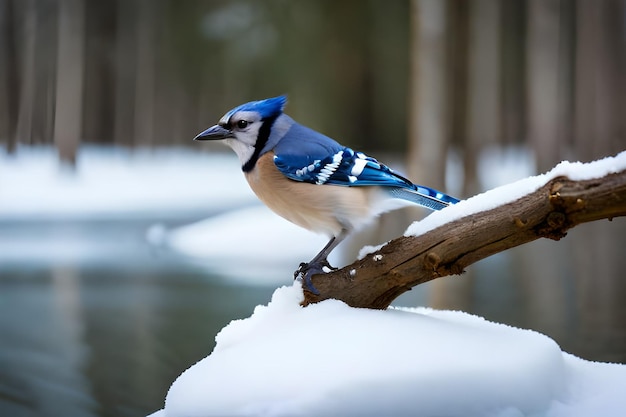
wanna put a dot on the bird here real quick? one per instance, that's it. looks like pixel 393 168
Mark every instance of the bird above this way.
pixel 310 179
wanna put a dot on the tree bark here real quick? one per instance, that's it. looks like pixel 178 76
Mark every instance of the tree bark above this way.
pixel 561 204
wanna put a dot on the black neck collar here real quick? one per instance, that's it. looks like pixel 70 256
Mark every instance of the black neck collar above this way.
pixel 264 134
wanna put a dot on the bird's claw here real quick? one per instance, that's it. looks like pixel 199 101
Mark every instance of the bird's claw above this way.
pixel 307 270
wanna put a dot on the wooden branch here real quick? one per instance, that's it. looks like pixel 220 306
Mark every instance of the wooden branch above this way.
pixel 380 277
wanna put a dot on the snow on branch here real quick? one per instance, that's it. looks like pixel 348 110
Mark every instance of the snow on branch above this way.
pixel 448 241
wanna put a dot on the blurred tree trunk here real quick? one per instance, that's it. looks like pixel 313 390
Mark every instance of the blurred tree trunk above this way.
pixel 544 72
pixel 458 44
pixel 484 103
pixel 145 80
pixel 513 50
pixel 69 85
pixel 427 103
pixel 599 130
pixel 600 83
pixel 27 15
pixel 46 52
pixel 9 79
pixel 99 68
pixel 125 72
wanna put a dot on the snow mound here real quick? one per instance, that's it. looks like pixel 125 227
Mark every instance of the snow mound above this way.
pixel 333 360
pixel 250 245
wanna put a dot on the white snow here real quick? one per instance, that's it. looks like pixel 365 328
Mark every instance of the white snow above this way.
pixel 329 359
pixel 251 245
pixel 111 182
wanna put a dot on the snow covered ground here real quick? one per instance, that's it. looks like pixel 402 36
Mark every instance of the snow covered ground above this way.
pixel 332 360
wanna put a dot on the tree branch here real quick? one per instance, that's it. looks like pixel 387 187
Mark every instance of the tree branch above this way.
pixel 561 204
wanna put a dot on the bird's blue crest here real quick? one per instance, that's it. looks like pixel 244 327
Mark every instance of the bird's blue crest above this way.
pixel 270 107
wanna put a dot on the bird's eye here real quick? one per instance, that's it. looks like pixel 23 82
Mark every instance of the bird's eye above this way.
pixel 242 124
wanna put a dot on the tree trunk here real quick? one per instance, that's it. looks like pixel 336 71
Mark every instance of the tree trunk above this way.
pixel 125 72
pixel 599 129
pixel 146 69
pixel 544 73
pixel 9 79
pixel 427 106
pixel 483 86
pixel 27 41
pixel 69 84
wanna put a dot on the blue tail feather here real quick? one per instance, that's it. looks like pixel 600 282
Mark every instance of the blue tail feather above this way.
pixel 436 194
pixel 424 196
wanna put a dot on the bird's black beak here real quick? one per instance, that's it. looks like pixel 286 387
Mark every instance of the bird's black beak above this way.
pixel 216 132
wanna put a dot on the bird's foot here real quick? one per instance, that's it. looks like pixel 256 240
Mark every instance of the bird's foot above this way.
pixel 307 270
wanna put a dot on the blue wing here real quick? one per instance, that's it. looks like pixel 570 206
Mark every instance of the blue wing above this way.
pixel 353 169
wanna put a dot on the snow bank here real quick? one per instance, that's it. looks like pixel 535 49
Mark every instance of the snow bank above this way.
pixel 251 245
pixel 118 182
pixel 333 360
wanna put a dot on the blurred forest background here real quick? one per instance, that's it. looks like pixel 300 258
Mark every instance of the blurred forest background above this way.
pixel 550 74
pixel 422 78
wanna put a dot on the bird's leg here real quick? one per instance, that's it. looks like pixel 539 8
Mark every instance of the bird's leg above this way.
pixel 317 264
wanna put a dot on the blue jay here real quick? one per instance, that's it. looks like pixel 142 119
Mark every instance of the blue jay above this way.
pixel 310 179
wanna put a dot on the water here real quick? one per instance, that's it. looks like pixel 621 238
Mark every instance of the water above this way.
pixel 96 322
